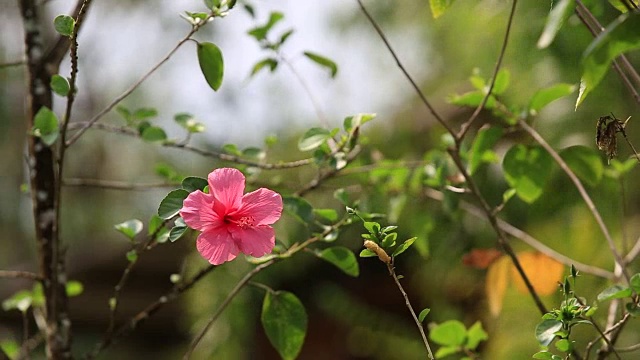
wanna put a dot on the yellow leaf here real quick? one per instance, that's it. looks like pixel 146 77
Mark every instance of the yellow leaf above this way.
pixel 496 283
pixel 543 272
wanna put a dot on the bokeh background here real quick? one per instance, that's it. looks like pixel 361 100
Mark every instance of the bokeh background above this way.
pixel 349 318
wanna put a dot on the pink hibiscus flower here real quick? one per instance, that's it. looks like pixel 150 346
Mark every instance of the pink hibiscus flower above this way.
pixel 231 222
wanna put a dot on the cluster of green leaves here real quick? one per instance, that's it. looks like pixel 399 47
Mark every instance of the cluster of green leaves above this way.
pixel 140 120
pixel 619 37
pixel 558 323
pixel 385 237
pixel 25 299
pixel 318 140
pixel 261 34
pixel 527 168
pixel 455 338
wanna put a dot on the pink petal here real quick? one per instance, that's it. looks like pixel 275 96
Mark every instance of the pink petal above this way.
pixel 217 246
pixel 255 241
pixel 263 205
pixel 227 186
pixel 197 211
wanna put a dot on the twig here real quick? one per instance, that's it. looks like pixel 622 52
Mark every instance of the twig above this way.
pixel 16 274
pixel 206 153
pixel 315 183
pixel 583 193
pixel 465 127
pixel 29 345
pixel 307 89
pixel 527 239
pixel 115 185
pixel 404 71
pixel 133 87
pixel 633 253
pixel 392 272
pixel 148 312
pixel 224 304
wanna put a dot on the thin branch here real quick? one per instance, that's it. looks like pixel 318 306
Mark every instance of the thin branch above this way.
pixel 55 54
pixel 133 87
pixel 392 272
pixel 404 71
pixel 206 153
pixel 148 311
pixel 467 125
pixel 116 185
pixel 594 26
pixel 527 239
pixel 307 89
pixel 633 253
pixel 583 193
pixel 16 274
pixel 224 305
pixel 502 239
pixel 323 176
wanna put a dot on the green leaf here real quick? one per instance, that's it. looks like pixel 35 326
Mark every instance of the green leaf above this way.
pixel 231 149
pixel 177 232
pixel 10 347
pixel 446 351
pixel 328 214
pixel 299 208
pixel 619 37
pixel 635 283
pixel 423 314
pixel 564 345
pixel 585 162
pixel 130 228
pixel 449 333
pixel 254 152
pixel 354 121
pixel 484 141
pixel 527 170
pixel 475 335
pixel 614 292
pixel 502 82
pixel 405 245
pixel 619 4
pixel 74 288
pixel 544 97
pixel 132 255
pixel 21 301
pixel 153 134
pixel 155 222
pixel 260 32
pixel 211 64
pixel 284 320
pixel 64 25
pixel 544 355
pixel 372 226
pixel 172 203
pixel 342 258
pixel 342 196
pixel 313 138
pixel 269 63
pixel 193 183
pixel 144 113
pixel 438 7
pixel 188 122
pixel 323 61
pixel 546 331
pixel 367 253
pixel 557 17
pixel 59 85
pixel 45 126
pixel 472 99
